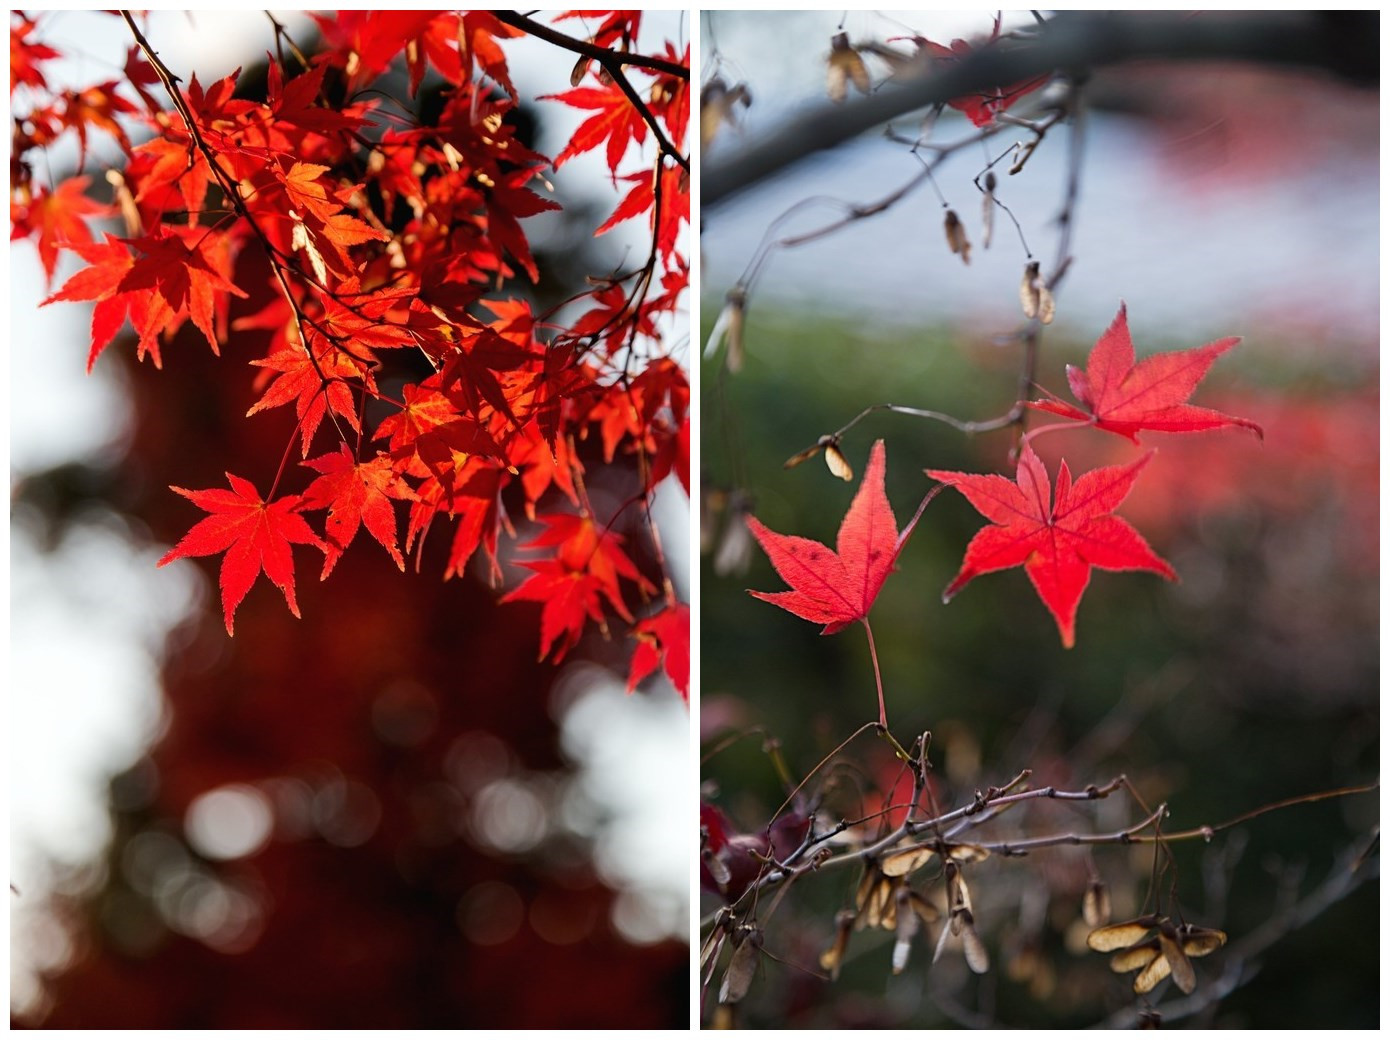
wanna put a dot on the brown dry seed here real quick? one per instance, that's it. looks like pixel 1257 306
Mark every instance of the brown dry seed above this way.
pixel 956 237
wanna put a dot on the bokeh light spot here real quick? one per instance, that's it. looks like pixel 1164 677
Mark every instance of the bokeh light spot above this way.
pixel 229 822
pixel 509 817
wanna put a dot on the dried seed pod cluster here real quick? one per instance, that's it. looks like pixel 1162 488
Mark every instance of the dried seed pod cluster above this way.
pixel 1156 947
pixel 886 900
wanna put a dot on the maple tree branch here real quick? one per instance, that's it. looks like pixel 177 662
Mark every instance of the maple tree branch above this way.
pixel 854 212
pixel 609 59
pixel 229 189
pixel 1075 41
pixel 999 798
pixel 612 62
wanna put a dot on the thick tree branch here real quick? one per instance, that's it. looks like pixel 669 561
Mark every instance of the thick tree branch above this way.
pixel 1343 43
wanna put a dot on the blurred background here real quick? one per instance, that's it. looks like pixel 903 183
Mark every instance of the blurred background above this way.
pixel 1215 200
pixel 387 814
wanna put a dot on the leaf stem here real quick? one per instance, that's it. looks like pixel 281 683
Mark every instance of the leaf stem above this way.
pixel 878 678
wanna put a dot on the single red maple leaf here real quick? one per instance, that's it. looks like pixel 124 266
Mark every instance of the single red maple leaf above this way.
pixel 353 493
pixel 665 634
pixel 60 218
pixel 1123 397
pixel 568 597
pixel 835 588
pixel 255 534
pixel 1057 542
pixel 616 121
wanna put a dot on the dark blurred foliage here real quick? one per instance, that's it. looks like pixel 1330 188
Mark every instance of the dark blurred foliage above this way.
pixel 1253 680
pixel 370 727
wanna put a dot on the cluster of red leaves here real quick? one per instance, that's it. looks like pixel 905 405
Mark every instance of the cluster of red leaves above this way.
pixel 1056 537
pixel 382 237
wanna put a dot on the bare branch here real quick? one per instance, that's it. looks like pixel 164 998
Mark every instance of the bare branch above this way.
pixel 1077 42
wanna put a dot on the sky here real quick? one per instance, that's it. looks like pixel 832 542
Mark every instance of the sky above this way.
pixel 1289 229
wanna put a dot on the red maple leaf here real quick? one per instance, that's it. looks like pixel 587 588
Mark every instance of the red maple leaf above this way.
pixel 1123 397
pixel 25 55
pixel 615 121
pixel 586 566
pixel 835 588
pixel 255 534
pixel 60 218
pixel 1057 542
pixel 303 381
pixel 982 107
pixel 568 598
pixel 663 635
pixel 353 493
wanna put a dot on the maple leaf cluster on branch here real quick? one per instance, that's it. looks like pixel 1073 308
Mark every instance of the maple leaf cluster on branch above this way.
pixel 388 242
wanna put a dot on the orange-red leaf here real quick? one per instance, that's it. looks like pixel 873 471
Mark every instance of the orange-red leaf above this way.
pixel 255 535
pixel 355 493
pixel 836 588
pixel 587 564
pixel 1123 397
pixel 664 635
pixel 1056 542
pixel 616 121
pixel 60 218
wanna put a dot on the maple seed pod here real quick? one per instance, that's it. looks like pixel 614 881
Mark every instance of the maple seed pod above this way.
pixel 728 328
pixel 739 974
pixel 130 212
pixel 717 101
pixel 735 551
pixel 717 868
pixel 831 958
pixel 1034 295
pixel 844 66
pixel 955 236
pixel 987 217
pixel 907 928
pixel 1095 904
pixel 1025 153
pixel 976 956
pixel 836 461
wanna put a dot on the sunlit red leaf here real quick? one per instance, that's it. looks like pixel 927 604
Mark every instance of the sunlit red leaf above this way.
pixel 663 636
pixel 255 535
pixel 1056 543
pixel 355 493
pixel 1118 395
pixel 836 588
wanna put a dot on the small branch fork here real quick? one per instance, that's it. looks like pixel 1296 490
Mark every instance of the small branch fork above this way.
pixel 1030 334
pixel 612 62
